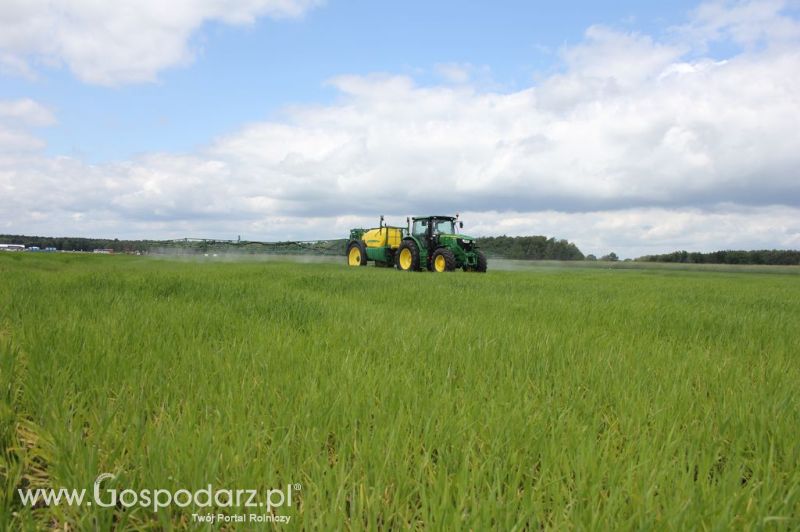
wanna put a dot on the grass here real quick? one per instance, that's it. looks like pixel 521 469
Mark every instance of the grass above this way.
pixel 554 398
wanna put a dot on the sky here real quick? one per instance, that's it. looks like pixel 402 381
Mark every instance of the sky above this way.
pixel 620 126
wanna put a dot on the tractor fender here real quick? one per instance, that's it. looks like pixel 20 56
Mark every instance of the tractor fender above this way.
pixel 416 240
pixel 357 241
pixel 423 251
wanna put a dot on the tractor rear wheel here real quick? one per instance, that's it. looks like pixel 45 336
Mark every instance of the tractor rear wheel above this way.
pixel 356 254
pixel 481 262
pixel 408 257
pixel 443 260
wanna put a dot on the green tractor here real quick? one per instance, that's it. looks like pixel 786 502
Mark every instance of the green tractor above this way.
pixel 429 242
pixel 433 243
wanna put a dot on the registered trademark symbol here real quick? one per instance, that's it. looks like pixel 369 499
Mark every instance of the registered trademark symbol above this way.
pixel 297 487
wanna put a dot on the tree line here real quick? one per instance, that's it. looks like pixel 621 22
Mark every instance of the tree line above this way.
pixel 529 248
pixel 79 244
pixel 760 256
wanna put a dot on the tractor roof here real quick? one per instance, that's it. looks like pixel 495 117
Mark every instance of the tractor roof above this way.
pixel 433 216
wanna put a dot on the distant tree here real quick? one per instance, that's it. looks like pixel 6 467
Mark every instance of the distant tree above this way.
pixel 610 257
pixel 590 257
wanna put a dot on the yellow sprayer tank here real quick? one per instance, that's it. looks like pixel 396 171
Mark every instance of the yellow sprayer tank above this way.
pixel 379 237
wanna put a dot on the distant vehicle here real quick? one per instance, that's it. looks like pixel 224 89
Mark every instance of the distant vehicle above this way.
pixel 50 249
pixel 105 251
pixel 12 247
pixel 34 248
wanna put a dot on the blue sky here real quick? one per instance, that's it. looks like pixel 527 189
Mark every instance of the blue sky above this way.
pixel 244 74
pixel 626 126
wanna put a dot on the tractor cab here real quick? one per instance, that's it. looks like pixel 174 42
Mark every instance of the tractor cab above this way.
pixel 428 229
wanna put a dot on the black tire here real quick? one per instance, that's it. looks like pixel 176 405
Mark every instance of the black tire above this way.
pixel 362 250
pixel 401 262
pixel 448 258
pixel 482 263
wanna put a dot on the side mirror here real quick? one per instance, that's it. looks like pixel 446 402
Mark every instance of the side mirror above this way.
pixel 381 222
pixel 461 225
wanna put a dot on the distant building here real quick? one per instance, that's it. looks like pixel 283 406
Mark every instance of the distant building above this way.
pixel 12 247
pixel 50 249
pixel 34 248
pixel 106 251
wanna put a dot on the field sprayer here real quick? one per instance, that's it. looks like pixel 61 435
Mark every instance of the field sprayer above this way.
pixel 379 245
pixel 429 242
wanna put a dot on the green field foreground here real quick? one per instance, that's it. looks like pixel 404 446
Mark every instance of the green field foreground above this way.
pixel 515 400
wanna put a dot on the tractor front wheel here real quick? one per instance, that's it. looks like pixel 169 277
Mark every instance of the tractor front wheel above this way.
pixel 407 257
pixel 356 254
pixel 443 260
pixel 482 264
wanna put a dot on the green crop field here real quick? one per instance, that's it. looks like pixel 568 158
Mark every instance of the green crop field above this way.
pixel 548 398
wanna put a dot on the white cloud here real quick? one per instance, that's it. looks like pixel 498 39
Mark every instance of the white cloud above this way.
pixel 637 146
pixel 462 73
pixel 12 140
pixel 26 112
pixel 16 119
pixel 123 41
pixel 749 23
pixel 620 58
pixel 454 72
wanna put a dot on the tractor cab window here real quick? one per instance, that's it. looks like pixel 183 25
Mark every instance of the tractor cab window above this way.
pixel 444 226
pixel 420 226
